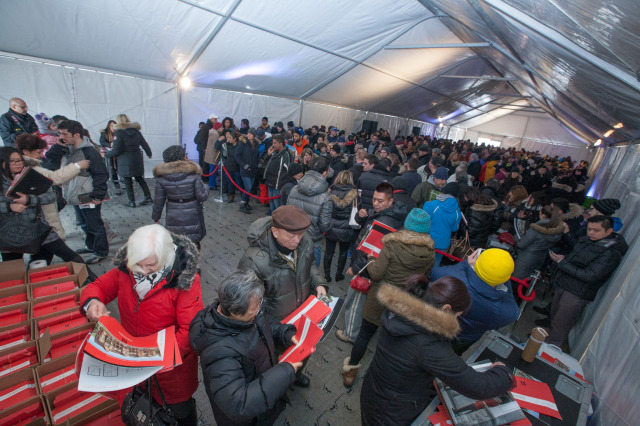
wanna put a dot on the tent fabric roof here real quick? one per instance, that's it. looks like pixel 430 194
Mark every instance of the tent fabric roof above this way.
pixel 449 61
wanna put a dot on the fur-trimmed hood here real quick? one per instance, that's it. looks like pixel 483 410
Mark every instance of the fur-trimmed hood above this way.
pixel 31 162
pixel 348 195
pixel 574 212
pixel 418 312
pixel 182 166
pixel 405 236
pixel 547 231
pixel 485 207
pixel 129 125
pixel 562 186
pixel 184 268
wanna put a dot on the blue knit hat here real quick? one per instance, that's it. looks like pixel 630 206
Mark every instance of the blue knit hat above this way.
pixel 418 220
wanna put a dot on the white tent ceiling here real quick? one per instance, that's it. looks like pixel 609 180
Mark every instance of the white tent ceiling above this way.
pixel 450 61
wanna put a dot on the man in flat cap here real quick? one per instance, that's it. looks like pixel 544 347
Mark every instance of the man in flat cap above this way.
pixel 281 254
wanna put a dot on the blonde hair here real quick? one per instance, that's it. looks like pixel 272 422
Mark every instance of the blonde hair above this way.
pixel 122 119
pixel 345 177
pixel 150 240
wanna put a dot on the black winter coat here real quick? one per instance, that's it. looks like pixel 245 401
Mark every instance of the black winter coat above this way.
pixel 53 157
pixel 247 158
pixel 342 197
pixel 13 124
pixel 414 346
pixel 588 266
pixel 242 377
pixel 286 287
pixel 338 164
pixel 228 155
pixel 482 223
pixel 276 166
pixel 474 169
pixel 533 247
pixel 413 180
pixel 179 185
pixel 356 171
pixel 368 182
pixel 126 147
pixel 288 182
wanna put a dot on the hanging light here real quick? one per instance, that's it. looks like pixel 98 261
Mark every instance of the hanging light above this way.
pixel 598 142
pixel 185 82
pixel 608 133
pixel 618 126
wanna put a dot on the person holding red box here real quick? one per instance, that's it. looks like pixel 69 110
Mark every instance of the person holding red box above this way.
pixel 157 286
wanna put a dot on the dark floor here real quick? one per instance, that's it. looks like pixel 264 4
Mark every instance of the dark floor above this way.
pixel 326 401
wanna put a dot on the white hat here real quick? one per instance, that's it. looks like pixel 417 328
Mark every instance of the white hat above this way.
pixel 212 115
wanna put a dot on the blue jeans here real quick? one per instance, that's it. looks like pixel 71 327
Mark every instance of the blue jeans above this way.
pixel 231 188
pixel 214 177
pixel 274 204
pixel 438 260
pixel 93 227
pixel 247 182
pixel 317 252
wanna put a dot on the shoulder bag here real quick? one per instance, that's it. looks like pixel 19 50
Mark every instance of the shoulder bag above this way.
pixel 360 283
pixel 21 235
pixel 139 408
pixel 461 247
pixel 354 211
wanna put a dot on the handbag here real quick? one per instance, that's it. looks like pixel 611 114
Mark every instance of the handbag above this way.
pixel 21 235
pixel 139 408
pixel 360 283
pixel 461 247
pixel 352 217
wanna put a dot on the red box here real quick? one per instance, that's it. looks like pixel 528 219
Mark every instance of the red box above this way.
pixel 36 274
pixel 17 387
pixel 55 272
pixel 66 342
pixel 86 405
pixel 12 274
pixel 44 289
pixel 12 335
pixel 56 374
pixel 51 289
pixel 11 283
pixel 16 358
pixel 67 325
pixel 13 314
pixel 31 412
pixel 49 277
pixel 13 295
pixel 55 304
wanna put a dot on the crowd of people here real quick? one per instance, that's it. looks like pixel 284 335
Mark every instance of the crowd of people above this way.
pixel 509 212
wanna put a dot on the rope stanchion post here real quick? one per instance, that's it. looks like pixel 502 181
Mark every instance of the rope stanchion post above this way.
pixel 246 192
pixel 220 166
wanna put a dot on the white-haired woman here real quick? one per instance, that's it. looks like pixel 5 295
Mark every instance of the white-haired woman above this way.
pixel 156 283
pixel 126 148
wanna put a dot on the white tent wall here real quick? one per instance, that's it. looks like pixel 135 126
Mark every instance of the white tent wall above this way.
pixel 347 119
pixel 607 341
pixel 93 98
pixel 531 131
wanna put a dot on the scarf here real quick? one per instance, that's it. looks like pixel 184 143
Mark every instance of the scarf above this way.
pixel 144 283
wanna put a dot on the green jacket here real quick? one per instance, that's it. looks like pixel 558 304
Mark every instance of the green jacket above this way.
pixel 286 286
pixel 422 193
pixel 404 253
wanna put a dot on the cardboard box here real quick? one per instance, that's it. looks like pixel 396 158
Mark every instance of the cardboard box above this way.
pixel 109 416
pixel 55 320
pixel 24 386
pixel 77 279
pixel 67 341
pixel 21 412
pixel 18 357
pixel 13 270
pixel 46 305
pixel 43 372
pixel 73 269
pixel 99 405
pixel 14 313
pixel 13 335
pixel 13 295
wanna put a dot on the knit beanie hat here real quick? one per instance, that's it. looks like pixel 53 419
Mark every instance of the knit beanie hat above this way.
pixel 43 121
pixel 173 153
pixel 294 169
pixel 418 220
pixel 494 266
pixel 607 206
pixel 441 173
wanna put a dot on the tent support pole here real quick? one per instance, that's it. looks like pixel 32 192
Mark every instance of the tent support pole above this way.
pixel 179 115
pixel 300 113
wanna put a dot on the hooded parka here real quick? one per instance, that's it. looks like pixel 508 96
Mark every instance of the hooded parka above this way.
pixel 533 247
pixel 179 185
pixel 311 195
pixel 174 301
pixel 126 147
pixel 414 346
pixel 482 222
pixel 342 197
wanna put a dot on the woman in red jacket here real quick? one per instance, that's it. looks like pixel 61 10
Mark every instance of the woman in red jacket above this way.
pixel 157 286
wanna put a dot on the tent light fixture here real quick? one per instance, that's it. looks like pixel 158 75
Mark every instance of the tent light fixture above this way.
pixel 598 142
pixel 618 126
pixel 608 133
pixel 185 82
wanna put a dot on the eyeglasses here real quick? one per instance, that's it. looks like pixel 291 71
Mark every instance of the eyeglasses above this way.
pixel 22 106
pixel 16 161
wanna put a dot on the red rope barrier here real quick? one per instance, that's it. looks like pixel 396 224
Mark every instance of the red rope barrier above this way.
pixel 214 170
pixel 248 193
pixel 521 283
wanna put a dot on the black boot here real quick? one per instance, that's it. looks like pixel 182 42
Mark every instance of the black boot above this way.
pixel 130 195
pixel 342 261
pixel 147 193
pixel 244 209
pixel 249 206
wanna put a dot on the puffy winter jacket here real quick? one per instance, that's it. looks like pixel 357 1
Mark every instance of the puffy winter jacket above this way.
pixel 179 185
pixel 533 247
pixel 311 195
pixel 491 307
pixel 404 253
pixel 287 286
pixel 288 182
pixel 588 266
pixel 126 147
pixel 482 223
pixel 368 182
pixel 12 124
pixel 247 158
pixel 338 164
pixel 445 219
pixel 174 301
pixel 244 381
pixel 276 167
pixel 91 181
pixel 342 197
pixel 414 346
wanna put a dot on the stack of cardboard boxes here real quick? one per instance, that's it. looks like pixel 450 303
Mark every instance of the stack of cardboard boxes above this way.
pixel 41 331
